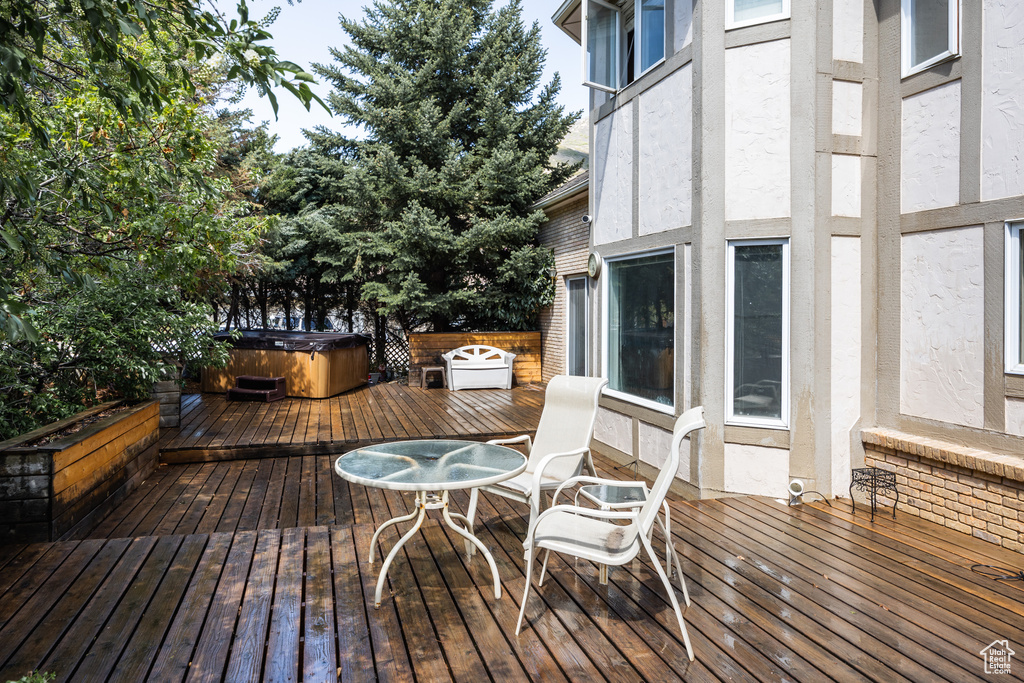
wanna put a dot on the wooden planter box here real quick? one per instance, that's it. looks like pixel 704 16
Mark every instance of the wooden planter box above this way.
pixel 45 491
pixel 425 349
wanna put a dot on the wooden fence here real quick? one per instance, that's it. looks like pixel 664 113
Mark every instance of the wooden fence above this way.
pixel 425 349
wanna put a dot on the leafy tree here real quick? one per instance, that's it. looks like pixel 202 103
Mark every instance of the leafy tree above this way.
pixel 132 223
pixel 104 29
pixel 430 206
pixel 114 340
pixel 92 90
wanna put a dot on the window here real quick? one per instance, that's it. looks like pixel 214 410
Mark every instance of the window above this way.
pixel 601 38
pixel 641 328
pixel 749 12
pixel 576 329
pixel 652 32
pixel 757 364
pixel 930 33
pixel 620 42
pixel 1014 299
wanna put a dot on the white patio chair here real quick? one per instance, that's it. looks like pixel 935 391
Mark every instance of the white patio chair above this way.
pixel 600 536
pixel 561 448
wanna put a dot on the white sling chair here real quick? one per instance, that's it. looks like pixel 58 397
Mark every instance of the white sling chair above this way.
pixel 599 535
pixel 561 448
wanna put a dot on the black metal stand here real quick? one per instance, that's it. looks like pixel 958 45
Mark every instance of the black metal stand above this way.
pixel 635 464
pixel 873 480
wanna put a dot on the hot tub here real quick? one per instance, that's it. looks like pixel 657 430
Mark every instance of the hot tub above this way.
pixel 314 364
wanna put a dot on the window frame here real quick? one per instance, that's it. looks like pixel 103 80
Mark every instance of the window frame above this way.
pixel 953 39
pixel 639 39
pixel 730 13
pixel 782 422
pixel 1012 296
pixel 668 409
pixel 585 40
pixel 621 48
pixel 586 322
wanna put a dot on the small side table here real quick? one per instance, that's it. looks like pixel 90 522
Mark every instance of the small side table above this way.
pixel 433 368
pixel 873 480
pixel 629 496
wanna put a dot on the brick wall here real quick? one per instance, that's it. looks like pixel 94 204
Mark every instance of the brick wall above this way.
pixel 971 491
pixel 568 236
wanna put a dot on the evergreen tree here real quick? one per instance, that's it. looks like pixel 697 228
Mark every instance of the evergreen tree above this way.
pixel 431 200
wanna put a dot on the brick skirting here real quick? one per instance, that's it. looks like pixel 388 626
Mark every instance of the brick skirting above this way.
pixel 971 491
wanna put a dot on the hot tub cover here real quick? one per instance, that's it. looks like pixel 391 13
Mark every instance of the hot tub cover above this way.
pixel 292 341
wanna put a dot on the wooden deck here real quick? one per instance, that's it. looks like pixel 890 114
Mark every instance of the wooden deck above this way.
pixel 188 580
pixel 233 569
pixel 213 428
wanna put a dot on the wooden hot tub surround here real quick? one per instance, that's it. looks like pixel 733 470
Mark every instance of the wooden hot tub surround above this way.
pixel 314 365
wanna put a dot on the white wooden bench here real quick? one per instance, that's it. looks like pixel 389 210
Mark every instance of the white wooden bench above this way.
pixel 479 367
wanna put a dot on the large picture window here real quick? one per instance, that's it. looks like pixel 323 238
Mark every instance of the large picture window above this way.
pixel 641 328
pixel 749 12
pixel 757 383
pixel 1014 299
pixel 930 33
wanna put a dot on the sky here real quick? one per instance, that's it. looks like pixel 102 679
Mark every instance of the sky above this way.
pixel 304 32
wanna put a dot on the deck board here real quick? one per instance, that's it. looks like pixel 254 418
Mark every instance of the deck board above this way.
pixel 236 568
pixel 778 594
pixel 213 428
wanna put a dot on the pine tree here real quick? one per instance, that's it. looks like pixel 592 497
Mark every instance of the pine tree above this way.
pixel 455 136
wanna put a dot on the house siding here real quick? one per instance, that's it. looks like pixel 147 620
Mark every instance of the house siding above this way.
pixel 568 237
pixel 893 194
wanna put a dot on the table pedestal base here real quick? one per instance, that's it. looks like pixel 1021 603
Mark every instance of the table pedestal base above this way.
pixel 428 501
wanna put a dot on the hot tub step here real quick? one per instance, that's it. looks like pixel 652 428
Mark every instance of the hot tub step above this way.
pixel 236 394
pixel 252 388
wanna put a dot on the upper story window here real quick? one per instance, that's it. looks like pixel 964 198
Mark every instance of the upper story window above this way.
pixel 757 363
pixel 652 32
pixel 930 33
pixel 748 12
pixel 620 42
pixel 1014 299
pixel 640 329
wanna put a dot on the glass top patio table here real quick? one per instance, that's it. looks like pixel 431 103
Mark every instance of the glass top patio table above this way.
pixel 427 467
pixel 430 465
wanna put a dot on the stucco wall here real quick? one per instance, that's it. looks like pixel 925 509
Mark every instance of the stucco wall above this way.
pixel 846 354
pixel 655 443
pixel 683 24
pixel 847 106
pixel 614 429
pixel 942 305
pixel 666 149
pixel 846 185
pixel 757 131
pixel 848 30
pixel 1014 414
pixel 1002 108
pixel 755 470
pixel 613 177
pixel 931 149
